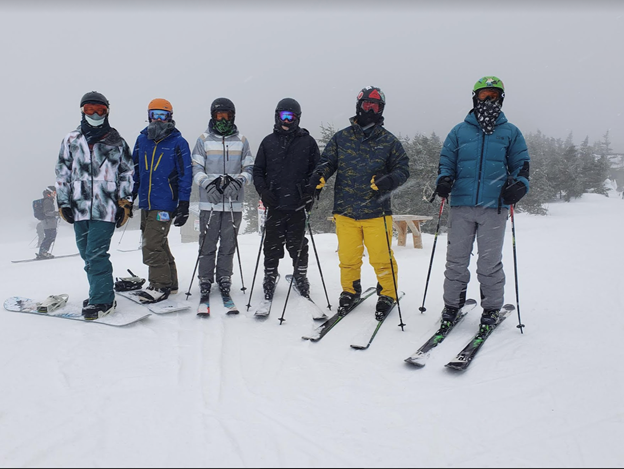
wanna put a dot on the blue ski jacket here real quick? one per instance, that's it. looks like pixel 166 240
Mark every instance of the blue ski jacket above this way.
pixel 479 164
pixel 163 173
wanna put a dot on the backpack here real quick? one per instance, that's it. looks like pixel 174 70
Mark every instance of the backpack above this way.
pixel 38 209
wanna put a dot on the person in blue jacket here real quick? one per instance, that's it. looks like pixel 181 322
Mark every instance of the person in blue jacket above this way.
pixel 163 176
pixel 484 168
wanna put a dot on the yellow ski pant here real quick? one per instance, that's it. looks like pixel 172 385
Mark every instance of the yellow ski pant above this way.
pixel 353 235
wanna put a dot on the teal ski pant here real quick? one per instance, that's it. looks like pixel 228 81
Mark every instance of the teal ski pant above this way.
pixel 93 239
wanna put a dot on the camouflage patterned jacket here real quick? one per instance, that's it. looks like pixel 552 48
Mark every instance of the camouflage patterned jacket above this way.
pixel 356 158
pixel 92 181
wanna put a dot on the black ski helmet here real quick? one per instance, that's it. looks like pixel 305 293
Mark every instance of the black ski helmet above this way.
pixel 372 93
pixel 289 104
pixel 95 98
pixel 222 104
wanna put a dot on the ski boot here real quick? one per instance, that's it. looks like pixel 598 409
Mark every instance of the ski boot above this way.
pixel 384 305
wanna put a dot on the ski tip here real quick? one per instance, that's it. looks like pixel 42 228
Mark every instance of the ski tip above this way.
pixel 359 347
pixel 470 301
pixel 414 362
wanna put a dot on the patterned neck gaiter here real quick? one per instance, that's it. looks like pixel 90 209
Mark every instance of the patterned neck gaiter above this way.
pixel 486 113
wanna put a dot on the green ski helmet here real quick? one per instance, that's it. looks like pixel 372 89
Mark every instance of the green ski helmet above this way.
pixel 488 82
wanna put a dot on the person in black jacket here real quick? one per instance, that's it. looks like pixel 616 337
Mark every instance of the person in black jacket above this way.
pixel 284 164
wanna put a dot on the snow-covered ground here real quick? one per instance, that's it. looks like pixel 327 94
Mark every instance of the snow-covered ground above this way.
pixel 180 391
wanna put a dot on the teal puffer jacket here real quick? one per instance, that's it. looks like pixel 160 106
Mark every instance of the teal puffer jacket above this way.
pixel 479 164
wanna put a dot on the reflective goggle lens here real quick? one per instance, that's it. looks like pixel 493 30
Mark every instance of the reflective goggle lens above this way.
pixel 287 116
pixel 223 115
pixel 486 93
pixel 159 115
pixel 370 106
pixel 99 109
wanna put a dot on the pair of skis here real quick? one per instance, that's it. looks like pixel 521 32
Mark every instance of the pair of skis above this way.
pixel 264 308
pixel 204 308
pixel 365 340
pixel 467 354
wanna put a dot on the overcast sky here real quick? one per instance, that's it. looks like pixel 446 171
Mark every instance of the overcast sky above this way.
pixel 561 62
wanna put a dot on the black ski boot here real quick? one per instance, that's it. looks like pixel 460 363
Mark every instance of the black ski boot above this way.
pixel 346 300
pixel 269 286
pixel 204 291
pixel 384 305
pixel 490 317
pixel 225 283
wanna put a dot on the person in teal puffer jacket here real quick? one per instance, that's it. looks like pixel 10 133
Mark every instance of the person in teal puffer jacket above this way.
pixel 484 167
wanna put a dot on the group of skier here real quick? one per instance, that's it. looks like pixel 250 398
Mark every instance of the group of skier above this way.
pixel 484 168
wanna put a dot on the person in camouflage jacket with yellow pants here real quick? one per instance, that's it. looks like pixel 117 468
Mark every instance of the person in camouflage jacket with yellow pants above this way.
pixel 369 162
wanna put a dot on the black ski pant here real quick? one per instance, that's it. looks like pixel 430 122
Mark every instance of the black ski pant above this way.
pixel 285 228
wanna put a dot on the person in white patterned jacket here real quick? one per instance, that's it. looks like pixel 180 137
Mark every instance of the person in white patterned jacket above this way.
pixel 222 165
pixel 94 193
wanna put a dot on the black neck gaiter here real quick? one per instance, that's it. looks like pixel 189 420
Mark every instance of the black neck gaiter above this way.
pixel 486 113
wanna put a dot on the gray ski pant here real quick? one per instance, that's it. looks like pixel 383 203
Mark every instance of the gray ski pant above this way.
pixel 220 231
pixel 488 227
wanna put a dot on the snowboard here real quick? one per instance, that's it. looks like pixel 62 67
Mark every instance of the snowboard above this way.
pixel 162 307
pixel 119 318
pixel 50 259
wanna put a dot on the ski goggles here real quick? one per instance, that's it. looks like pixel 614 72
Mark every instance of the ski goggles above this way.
pixel 223 115
pixel 370 106
pixel 99 109
pixel 486 93
pixel 287 116
pixel 159 115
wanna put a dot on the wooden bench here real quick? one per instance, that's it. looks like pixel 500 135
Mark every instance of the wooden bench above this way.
pixel 402 222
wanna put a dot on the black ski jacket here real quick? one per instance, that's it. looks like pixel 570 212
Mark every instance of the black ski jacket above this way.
pixel 284 164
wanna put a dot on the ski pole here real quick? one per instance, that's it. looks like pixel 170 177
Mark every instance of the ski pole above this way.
pixel 513 238
pixel 396 290
pixel 435 240
pixel 318 262
pixel 201 248
pixel 256 269
pixel 296 266
pixel 240 265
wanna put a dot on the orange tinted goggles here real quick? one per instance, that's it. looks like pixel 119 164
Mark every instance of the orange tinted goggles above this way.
pixel 486 93
pixel 90 109
pixel 223 115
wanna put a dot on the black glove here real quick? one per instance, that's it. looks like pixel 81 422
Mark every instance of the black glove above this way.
pixel 316 180
pixel 443 189
pixel 181 213
pixel 67 214
pixel 269 199
pixel 383 183
pixel 513 192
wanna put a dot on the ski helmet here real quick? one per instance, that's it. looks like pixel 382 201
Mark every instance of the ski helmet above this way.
pixel 160 104
pixel 95 98
pixel 290 105
pixel 488 82
pixel 370 94
pixel 222 104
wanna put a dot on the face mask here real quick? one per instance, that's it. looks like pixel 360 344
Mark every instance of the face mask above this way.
pixel 224 127
pixel 486 113
pixel 95 120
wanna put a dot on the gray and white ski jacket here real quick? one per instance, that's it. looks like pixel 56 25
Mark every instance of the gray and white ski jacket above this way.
pixel 216 155
pixel 91 181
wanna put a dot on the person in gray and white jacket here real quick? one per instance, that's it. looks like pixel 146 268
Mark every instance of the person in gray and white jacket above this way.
pixel 222 166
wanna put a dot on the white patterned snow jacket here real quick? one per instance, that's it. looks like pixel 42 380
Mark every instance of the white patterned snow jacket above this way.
pixel 215 155
pixel 91 182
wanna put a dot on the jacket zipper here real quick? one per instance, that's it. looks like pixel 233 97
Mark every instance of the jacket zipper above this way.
pixel 480 168
pixel 149 190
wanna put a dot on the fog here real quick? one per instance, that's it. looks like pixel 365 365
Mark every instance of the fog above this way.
pixel 561 63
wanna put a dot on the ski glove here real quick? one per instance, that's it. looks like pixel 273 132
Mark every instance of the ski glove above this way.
pixel 513 192
pixel 382 183
pixel 214 196
pixel 269 199
pixel 67 214
pixel 443 189
pixel 181 213
pixel 232 188
pixel 124 211
pixel 316 181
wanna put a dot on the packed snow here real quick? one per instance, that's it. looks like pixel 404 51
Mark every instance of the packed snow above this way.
pixel 176 390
